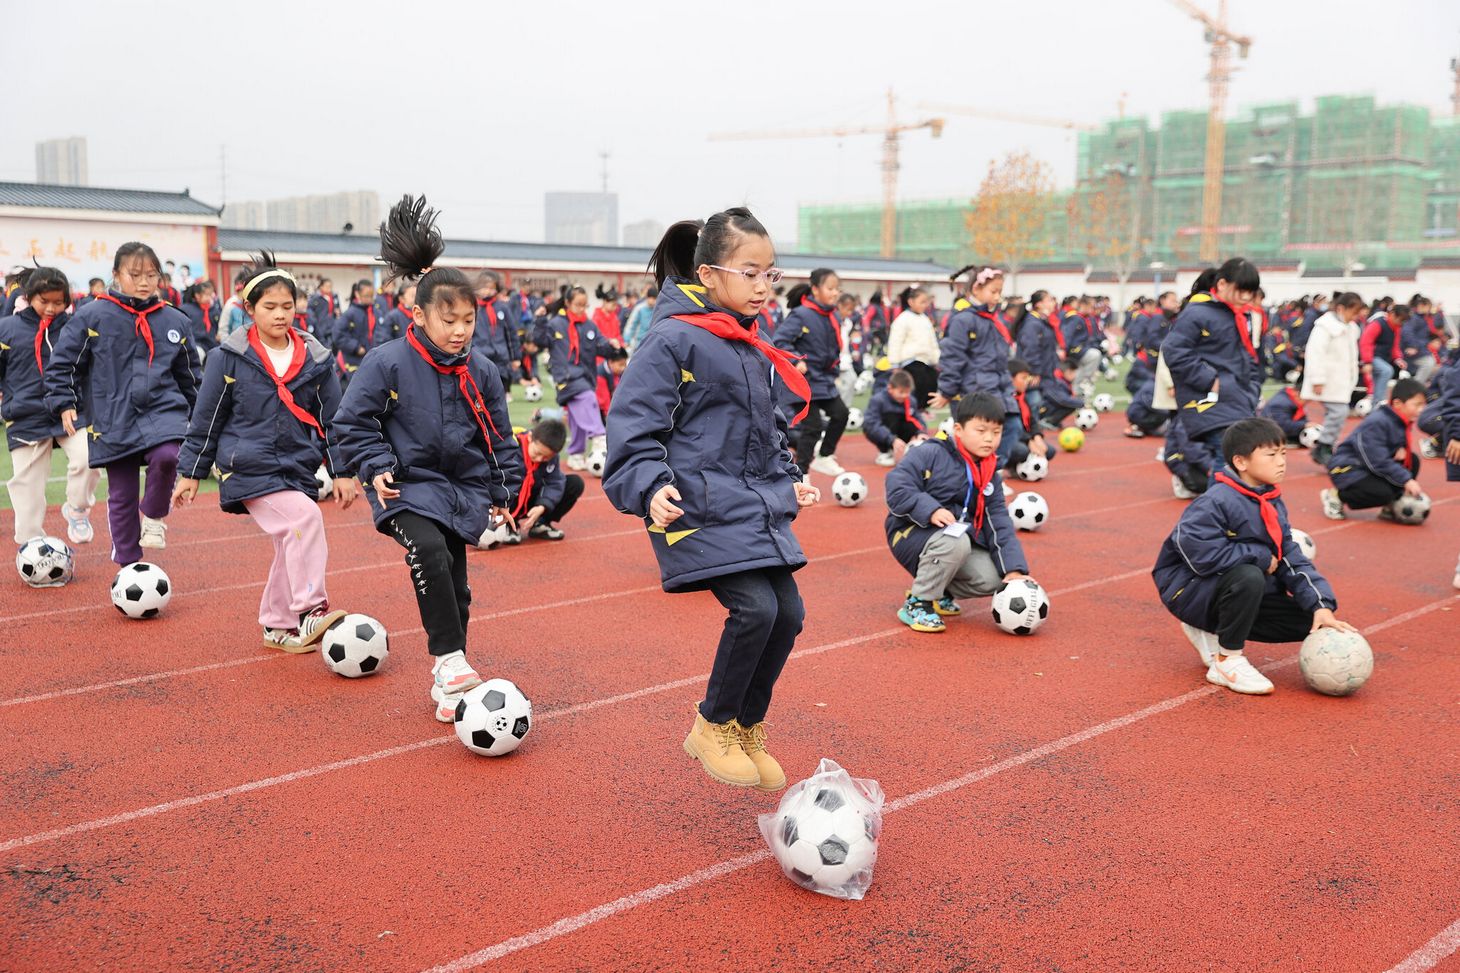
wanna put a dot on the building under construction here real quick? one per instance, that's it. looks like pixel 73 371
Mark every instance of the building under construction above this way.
pixel 1351 185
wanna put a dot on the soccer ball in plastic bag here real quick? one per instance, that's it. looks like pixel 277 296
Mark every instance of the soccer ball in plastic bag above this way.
pixel 1020 607
pixel 825 832
pixel 493 718
pixel 1032 467
pixel 1029 511
pixel 1087 419
pixel 141 590
pixel 854 419
pixel 355 646
pixel 1335 663
pixel 849 489
pixel 1305 543
pixel 45 562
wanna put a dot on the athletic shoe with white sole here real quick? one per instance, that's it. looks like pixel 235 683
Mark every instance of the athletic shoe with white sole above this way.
pixel 284 639
pixel 315 622
pixel 78 524
pixel 1332 506
pixel 444 705
pixel 1234 672
pixel 545 532
pixel 1179 488
pixel 577 461
pixel 1205 643
pixel 885 459
pixel 920 616
pixel 827 466
pixel 154 534
pixel 453 674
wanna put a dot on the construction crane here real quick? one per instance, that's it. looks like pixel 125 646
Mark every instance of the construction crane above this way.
pixel 891 133
pixel 1220 74
pixel 1004 116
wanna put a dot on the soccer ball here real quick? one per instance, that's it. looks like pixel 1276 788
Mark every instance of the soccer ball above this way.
pixel 532 393
pixel 494 537
pixel 1021 606
pixel 1087 419
pixel 849 489
pixel 323 483
pixel 1110 374
pixel 946 428
pixel 1411 510
pixel 1305 543
pixel 863 383
pixel 824 839
pixel 1308 438
pixel 1363 407
pixel 355 646
pixel 1117 359
pixel 1029 511
pixel 45 562
pixel 141 590
pixel 1071 439
pixel 1335 663
pixel 596 463
pixel 1293 375
pixel 854 419
pixel 1104 402
pixel 493 718
pixel 1032 468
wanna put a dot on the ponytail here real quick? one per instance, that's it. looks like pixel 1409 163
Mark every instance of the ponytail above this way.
pixel 410 245
pixel 675 255
pixel 797 294
pixel 689 243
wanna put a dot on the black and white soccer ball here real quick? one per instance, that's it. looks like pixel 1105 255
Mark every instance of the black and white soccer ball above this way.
pixel 1020 606
pixel 1305 543
pixel 493 718
pixel 1104 402
pixel 324 484
pixel 141 590
pixel 532 393
pixel 355 646
pixel 1363 407
pixel 596 462
pixel 945 428
pixel 45 562
pixel 849 489
pixel 824 839
pixel 1411 510
pixel 1308 438
pixel 1029 511
pixel 854 418
pixel 1087 419
pixel 1032 467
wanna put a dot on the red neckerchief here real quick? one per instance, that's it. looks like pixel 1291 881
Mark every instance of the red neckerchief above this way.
pixel 139 320
pixel 1261 318
pixel 907 410
pixel 769 322
pixel 490 311
pixel 1059 333
pixel 1408 425
pixel 830 319
pixel 1301 410
pixel 573 321
pixel 301 322
pixel 1429 320
pixel 464 382
pixel 1240 319
pixel 369 322
pixel 722 325
pixel 525 493
pixel 1264 502
pixel 983 471
pixel 993 318
pixel 40 338
pixel 1023 409
pixel 281 382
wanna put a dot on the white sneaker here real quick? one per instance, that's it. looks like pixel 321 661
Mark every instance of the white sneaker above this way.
pixel 453 674
pixel 154 534
pixel 886 459
pixel 1206 643
pixel 827 466
pixel 1161 454
pixel 1332 506
pixel 1179 488
pixel 444 704
pixel 78 524
pixel 576 461
pixel 1234 672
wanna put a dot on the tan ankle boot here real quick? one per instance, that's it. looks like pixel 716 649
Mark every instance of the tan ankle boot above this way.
pixel 717 747
pixel 752 741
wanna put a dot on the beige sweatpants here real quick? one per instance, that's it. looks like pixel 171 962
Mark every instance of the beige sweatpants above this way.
pixel 28 486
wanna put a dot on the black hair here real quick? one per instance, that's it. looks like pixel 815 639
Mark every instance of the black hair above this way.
pixel 876 297
pixel 485 277
pixel 819 275
pixel 690 243
pixel 1400 311
pixel 1348 299
pixel 980 405
pixel 1018 366
pixel 651 291
pixel 1246 436
pixel 908 293
pixel 1406 389
pixel 1204 282
pixel 900 379
pixel 797 294
pixel 240 276
pixel 43 280
pixel 94 281
pixel 1241 272
pixel 1036 297
pixel 410 245
pixel 566 293
pixel 263 262
pixel 616 354
pixel 196 288
pixel 550 433
pixel 135 248
pixel 606 293
pixel 846 297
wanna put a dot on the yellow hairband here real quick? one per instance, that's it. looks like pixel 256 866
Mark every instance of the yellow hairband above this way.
pixel 276 272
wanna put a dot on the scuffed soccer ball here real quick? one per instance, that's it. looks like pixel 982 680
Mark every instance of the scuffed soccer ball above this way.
pixel 1335 663
pixel 1029 511
pixel 824 838
pixel 854 419
pixel 1020 606
pixel 45 562
pixel 532 393
pixel 849 489
pixel 324 484
pixel 493 718
pixel 1104 402
pixel 141 590
pixel 1087 419
pixel 1363 407
pixel 1305 543
pixel 596 463
pixel 1071 439
pixel 355 646
pixel 1032 468
pixel 1411 510
pixel 1308 438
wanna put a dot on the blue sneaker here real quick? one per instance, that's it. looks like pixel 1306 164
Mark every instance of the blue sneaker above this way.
pixel 919 616
pixel 947 607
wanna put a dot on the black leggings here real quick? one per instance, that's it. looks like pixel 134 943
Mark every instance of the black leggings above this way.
pixel 572 490
pixel 836 424
pixel 437 559
pixel 765 617
pixel 1375 491
pixel 1244 611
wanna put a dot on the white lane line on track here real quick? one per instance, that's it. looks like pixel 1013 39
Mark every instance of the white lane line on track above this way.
pixel 1430 955
pixel 568 925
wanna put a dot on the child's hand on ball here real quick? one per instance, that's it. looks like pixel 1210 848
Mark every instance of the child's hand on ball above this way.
pixel 806 495
pixel 1324 618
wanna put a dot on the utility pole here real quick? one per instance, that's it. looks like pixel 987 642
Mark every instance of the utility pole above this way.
pixel 222 174
pixel 603 158
pixel 1455 95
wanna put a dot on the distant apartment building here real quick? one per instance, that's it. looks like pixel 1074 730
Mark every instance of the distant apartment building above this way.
pixel 323 213
pixel 644 233
pixel 584 218
pixel 61 162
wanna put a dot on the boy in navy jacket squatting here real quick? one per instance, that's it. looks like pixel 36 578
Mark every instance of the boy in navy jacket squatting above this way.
pixel 1365 469
pixel 546 494
pixel 891 422
pixel 1231 572
pixel 1286 408
pixel 946 519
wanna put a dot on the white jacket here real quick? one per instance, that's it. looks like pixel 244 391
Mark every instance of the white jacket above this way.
pixel 1332 360
pixel 912 338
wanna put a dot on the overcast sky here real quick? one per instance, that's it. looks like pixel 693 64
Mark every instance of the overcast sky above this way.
pixel 484 106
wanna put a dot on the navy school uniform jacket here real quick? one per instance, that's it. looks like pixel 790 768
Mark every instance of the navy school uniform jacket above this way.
pixel 1181 454
pixel 399 414
pixel 1081 334
pixel 574 372
pixel 139 398
pixel 204 321
pixel 1303 330
pixel 542 483
pixel 1142 403
pixel 241 425
pixel 322 319
pixel 931 475
pixel 813 332
pixel 1218 531
pixel 355 334
pixel 974 356
pixel 700 412
pixel 1205 345
pixel 1370 450
pixel 883 413
pixel 1449 404
pixel 392 326
pixel 1039 345
pixel 1415 338
pixel 22 379
pixel 1287 410
pixel 496 336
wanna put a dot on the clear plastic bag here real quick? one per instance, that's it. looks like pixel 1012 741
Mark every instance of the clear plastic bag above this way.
pixel 826 830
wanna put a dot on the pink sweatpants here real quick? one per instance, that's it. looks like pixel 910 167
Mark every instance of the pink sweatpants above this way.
pixel 296 578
